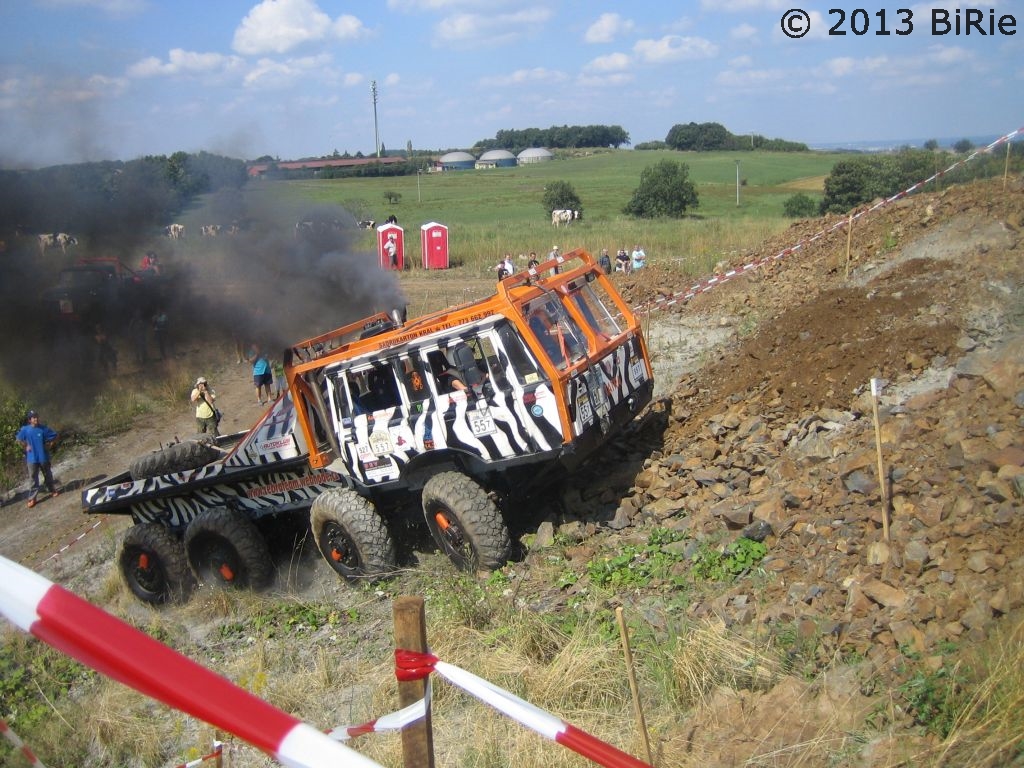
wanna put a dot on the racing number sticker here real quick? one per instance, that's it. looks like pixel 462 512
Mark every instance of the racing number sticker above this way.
pixel 380 443
pixel 481 422
pixel 637 372
pixel 583 409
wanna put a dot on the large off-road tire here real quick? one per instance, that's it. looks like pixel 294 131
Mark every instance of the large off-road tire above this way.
pixel 465 522
pixel 153 565
pixel 174 458
pixel 224 547
pixel 351 536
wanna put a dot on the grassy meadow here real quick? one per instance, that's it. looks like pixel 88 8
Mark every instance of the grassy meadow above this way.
pixel 491 212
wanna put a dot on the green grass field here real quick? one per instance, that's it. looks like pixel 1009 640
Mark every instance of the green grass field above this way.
pixel 489 212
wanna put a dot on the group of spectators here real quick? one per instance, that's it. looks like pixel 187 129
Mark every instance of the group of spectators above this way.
pixel 625 261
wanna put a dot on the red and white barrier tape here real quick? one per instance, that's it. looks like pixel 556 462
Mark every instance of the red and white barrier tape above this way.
pixel 395 721
pixel 74 541
pixel 218 750
pixel 708 283
pixel 410 665
pixel 123 653
pixel 19 745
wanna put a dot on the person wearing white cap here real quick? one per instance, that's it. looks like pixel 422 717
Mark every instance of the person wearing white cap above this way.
pixel 553 255
pixel 203 397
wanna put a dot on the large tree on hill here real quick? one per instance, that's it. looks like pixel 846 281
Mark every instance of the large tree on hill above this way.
pixel 699 137
pixel 665 191
pixel 560 195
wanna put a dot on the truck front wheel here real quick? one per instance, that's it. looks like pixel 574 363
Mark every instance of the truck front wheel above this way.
pixel 351 535
pixel 225 547
pixel 465 522
pixel 153 565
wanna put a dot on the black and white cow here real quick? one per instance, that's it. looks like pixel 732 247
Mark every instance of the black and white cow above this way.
pixel 175 231
pixel 56 240
pixel 366 224
pixel 561 216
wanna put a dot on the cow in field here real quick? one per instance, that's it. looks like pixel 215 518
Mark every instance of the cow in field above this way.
pixel 211 230
pixel 175 231
pixel 56 240
pixel 366 224
pixel 561 216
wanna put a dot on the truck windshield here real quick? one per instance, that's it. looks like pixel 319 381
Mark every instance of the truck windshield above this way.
pixel 559 335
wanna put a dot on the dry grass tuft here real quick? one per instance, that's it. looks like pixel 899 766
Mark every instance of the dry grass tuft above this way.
pixel 709 656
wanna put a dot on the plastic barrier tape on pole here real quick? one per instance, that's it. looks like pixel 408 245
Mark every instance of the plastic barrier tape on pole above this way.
pixel 108 645
pixel 410 665
pixel 395 721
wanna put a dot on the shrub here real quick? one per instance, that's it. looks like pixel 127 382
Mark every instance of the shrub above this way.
pixel 799 206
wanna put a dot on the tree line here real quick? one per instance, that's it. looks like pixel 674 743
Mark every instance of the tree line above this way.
pixel 556 137
pixel 110 199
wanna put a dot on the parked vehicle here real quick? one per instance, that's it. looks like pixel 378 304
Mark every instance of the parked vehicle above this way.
pixel 458 412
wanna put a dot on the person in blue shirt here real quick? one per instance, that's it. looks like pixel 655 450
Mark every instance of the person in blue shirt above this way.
pixel 37 440
pixel 262 377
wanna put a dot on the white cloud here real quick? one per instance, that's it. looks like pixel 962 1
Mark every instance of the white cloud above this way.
pixel 606 80
pixel 672 48
pixel 607 27
pixel 278 26
pixel 488 29
pixel 182 62
pixel 741 61
pixel 113 7
pixel 743 32
pixel 613 62
pixel 751 79
pixel 521 76
pixel 736 6
pixel 273 74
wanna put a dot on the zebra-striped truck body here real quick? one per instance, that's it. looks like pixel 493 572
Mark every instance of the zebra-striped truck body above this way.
pixel 551 367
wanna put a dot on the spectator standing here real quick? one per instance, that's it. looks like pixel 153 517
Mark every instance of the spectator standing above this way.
pixel 605 261
pixel 622 262
pixel 554 255
pixel 160 332
pixel 137 331
pixel 203 398
pixel 38 440
pixel 261 374
pixel 534 261
pixel 639 257
pixel 277 367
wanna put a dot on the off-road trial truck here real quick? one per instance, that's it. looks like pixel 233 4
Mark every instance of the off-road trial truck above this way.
pixel 457 413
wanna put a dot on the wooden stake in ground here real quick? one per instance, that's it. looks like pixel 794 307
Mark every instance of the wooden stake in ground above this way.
pixel 1006 165
pixel 875 387
pixel 411 635
pixel 641 722
pixel 849 239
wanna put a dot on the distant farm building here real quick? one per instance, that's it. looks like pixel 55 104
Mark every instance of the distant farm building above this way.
pixel 534 155
pixel 456 161
pixel 496 158
pixel 258 170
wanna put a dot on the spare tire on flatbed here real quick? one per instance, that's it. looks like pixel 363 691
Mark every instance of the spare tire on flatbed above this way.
pixel 174 458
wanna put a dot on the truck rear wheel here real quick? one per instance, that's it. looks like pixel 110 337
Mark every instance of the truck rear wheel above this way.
pixel 153 565
pixel 224 547
pixel 465 522
pixel 351 535
pixel 174 458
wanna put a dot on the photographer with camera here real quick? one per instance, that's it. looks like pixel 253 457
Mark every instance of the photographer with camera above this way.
pixel 206 412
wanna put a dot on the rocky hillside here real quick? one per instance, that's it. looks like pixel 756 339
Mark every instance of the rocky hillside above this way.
pixel 774 438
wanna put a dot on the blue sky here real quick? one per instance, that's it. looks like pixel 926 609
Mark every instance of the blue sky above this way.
pixel 118 79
